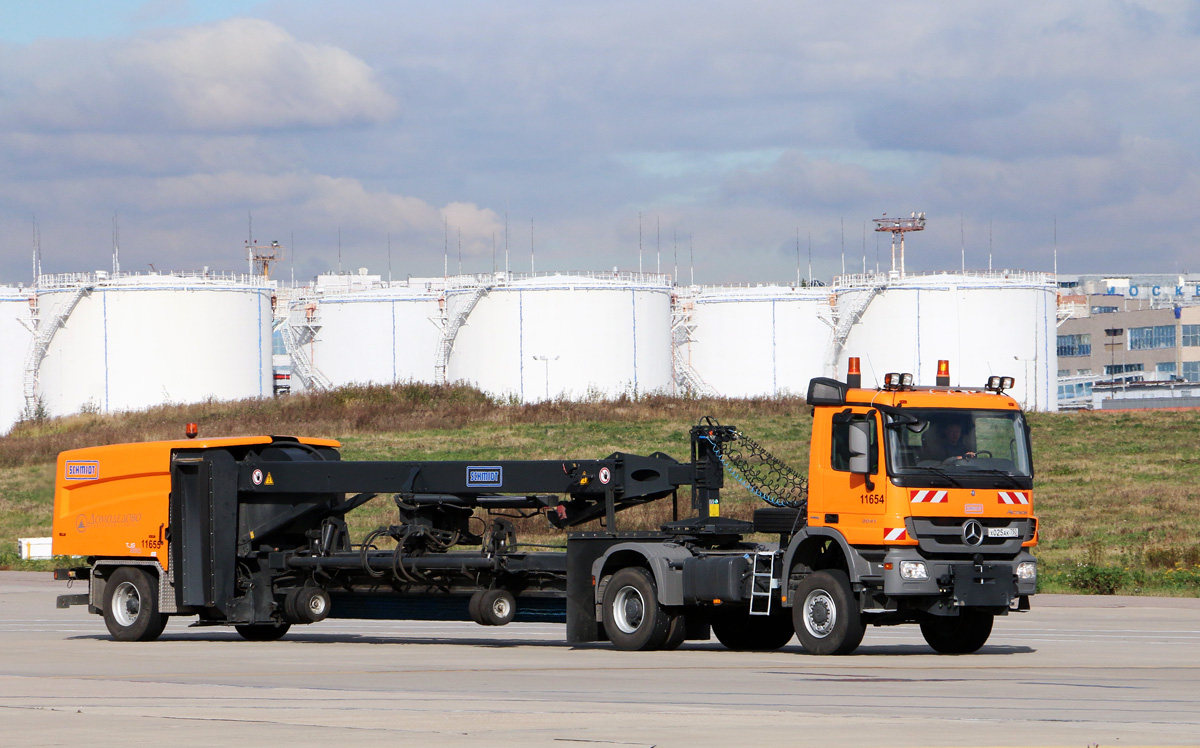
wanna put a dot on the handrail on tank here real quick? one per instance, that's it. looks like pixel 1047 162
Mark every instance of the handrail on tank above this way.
pixel 70 280
pixel 870 280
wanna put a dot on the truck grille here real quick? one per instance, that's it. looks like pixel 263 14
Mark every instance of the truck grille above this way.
pixel 943 535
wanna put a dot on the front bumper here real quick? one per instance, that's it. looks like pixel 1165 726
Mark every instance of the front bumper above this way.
pixel 957 583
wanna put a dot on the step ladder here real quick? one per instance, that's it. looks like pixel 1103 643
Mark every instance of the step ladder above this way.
pixel 762 583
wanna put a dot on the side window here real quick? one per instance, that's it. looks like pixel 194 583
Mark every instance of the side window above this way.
pixel 840 459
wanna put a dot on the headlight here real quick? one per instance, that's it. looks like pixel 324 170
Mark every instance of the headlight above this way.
pixel 1027 570
pixel 913 570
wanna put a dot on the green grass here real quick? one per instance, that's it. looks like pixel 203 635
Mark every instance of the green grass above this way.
pixel 1117 493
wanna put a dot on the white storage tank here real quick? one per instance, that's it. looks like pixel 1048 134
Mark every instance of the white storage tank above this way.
pixel 997 323
pixel 569 335
pixel 14 342
pixel 380 335
pixel 136 341
pixel 753 341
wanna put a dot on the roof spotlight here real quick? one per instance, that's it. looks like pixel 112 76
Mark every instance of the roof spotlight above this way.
pixel 1000 384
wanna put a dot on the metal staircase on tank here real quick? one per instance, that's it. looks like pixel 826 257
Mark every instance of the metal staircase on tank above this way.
pixel 682 327
pixel 451 324
pixel 845 319
pixel 43 335
pixel 310 376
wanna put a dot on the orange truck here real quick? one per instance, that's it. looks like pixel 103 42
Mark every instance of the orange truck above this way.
pixel 916 508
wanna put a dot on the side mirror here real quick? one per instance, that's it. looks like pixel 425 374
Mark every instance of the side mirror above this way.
pixel 860 447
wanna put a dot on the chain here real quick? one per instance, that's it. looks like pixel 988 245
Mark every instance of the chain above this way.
pixel 762 473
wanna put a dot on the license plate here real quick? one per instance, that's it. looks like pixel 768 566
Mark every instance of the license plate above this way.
pixel 1002 532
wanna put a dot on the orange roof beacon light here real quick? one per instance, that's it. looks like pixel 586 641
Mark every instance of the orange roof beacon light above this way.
pixel 854 375
pixel 192 430
pixel 943 375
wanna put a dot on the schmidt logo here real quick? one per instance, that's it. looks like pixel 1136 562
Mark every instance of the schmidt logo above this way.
pixel 485 477
pixel 81 470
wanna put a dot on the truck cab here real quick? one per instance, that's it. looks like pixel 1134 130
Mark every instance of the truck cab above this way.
pixel 920 509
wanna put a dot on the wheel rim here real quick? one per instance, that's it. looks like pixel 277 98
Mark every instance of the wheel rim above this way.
pixel 127 603
pixel 629 609
pixel 500 608
pixel 820 614
pixel 316 605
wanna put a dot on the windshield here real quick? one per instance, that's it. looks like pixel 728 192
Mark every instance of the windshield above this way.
pixel 960 447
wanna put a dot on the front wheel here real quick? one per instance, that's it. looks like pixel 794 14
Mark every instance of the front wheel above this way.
pixel 131 606
pixel 826 614
pixel 961 634
pixel 633 618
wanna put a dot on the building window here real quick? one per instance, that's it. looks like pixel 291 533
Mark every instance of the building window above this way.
pixel 1191 335
pixel 1145 338
pixel 1076 390
pixel 1104 310
pixel 1075 345
pixel 1122 368
pixel 1064 372
pixel 1191 371
pixel 1083 372
pixel 1165 367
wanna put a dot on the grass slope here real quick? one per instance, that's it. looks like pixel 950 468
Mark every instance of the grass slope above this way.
pixel 1116 493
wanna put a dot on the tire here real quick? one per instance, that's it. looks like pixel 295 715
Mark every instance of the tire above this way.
pixel 826 615
pixel 306 605
pixel 738 630
pixel 497 607
pixel 961 634
pixel 633 619
pixel 131 606
pixel 474 607
pixel 263 632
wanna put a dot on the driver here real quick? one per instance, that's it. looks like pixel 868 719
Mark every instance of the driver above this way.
pixel 947 442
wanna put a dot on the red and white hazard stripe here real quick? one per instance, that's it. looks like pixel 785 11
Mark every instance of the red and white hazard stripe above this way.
pixel 928 497
pixel 1012 497
pixel 895 533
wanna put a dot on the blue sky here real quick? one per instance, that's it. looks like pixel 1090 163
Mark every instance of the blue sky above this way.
pixel 728 130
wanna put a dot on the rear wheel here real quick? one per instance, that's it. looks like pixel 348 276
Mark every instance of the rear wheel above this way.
pixel 131 606
pixel 262 632
pixel 826 615
pixel 961 634
pixel 633 618
pixel 740 631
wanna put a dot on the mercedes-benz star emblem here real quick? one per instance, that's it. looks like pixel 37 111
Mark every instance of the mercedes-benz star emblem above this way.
pixel 972 532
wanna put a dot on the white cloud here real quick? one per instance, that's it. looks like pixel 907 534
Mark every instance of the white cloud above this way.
pixel 238 75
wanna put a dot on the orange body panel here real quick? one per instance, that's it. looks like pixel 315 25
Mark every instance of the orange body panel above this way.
pixel 874 516
pixel 113 501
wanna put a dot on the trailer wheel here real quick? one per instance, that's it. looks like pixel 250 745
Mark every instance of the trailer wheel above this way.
pixel 826 615
pixel 961 634
pixel 131 606
pixel 306 605
pixel 262 632
pixel 497 607
pixel 738 630
pixel 633 618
